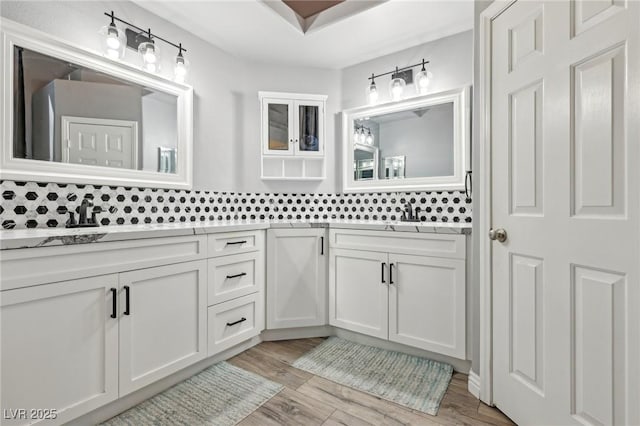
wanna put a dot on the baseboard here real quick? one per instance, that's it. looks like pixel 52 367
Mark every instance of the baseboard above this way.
pixel 120 405
pixel 474 384
pixel 459 365
pixel 297 333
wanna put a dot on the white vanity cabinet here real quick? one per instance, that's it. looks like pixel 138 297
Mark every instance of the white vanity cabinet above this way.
pixel 405 287
pixel 296 277
pixel 85 324
pixel 236 288
pixel 162 322
pixel 59 348
pixel 293 135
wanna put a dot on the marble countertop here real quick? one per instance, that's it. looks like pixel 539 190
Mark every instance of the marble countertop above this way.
pixel 47 237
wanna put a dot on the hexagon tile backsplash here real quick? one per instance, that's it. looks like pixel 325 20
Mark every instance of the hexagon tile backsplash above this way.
pixel 42 205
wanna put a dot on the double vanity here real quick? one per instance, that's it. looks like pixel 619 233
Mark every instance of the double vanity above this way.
pixel 90 316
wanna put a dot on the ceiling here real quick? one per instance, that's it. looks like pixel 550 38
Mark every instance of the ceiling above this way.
pixel 344 34
pixel 307 9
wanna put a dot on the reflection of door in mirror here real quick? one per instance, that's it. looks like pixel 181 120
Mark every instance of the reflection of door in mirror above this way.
pixel 309 128
pixel 278 127
pixel 365 163
pixel 394 167
pixel 99 142
pixel 104 111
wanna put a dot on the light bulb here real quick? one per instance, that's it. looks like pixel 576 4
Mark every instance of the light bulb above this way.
pixel 150 55
pixel 363 137
pixel 422 81
pixel 372 91
pixel 112 39
pixel 369 138
pixel 397 88
pixel 181 67
pixel 151 67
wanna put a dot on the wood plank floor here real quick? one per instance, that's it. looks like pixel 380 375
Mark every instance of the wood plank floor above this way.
pixel 311 400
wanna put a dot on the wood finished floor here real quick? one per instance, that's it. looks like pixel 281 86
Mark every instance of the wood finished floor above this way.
pixel 311 400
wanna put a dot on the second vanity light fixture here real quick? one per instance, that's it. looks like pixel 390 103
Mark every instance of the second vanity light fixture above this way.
pixel 363 135
pixel 397 84
pixel 116 39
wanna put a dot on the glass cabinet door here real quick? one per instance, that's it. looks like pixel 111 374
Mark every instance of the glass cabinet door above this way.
pixel 279 119
pixel 309 137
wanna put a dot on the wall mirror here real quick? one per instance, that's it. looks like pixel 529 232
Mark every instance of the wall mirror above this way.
pixel 418 144
pixel 74 116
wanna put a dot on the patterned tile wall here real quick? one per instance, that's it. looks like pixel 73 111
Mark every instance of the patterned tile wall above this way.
pixel 41 205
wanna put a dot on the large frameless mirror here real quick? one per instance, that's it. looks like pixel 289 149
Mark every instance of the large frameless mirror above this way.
pixel 419 144
pixel 74 116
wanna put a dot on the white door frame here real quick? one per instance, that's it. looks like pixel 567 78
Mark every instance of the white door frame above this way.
pixel 67 120
pixel 486 255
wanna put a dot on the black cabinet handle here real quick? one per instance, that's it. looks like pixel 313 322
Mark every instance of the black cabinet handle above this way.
pixel 468 184
pixel 126 300
pixel 236 242
pixel 383 281
pixel 242 274
pixel 321 246
pixel 243 319
pixel 391 273
pixel 114 303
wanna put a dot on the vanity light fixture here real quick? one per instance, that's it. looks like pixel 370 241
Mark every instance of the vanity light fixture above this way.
pixel 114 39
pixel 422 80
pixel 372 91
pixel 144 41
pixel 399 81
pixel 359 136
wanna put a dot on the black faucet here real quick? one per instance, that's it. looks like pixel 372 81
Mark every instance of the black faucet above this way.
pixel 408 215
pixel 83 221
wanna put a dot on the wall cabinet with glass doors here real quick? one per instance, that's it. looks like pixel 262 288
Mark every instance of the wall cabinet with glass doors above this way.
pixel 293 136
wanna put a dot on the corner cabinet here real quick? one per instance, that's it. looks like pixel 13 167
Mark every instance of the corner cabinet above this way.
pixel 407 288
pixel 296 278
pixel 293 136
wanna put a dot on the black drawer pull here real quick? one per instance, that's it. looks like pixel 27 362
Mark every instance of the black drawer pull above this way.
pixel 243 319
pixel 236 275
pixel 383 281
pixel 236 242
pixel 321 246
pixel 391 273
pixel 126 300
pixel 114 308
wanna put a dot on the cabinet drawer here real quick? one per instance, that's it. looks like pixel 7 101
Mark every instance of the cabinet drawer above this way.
pixel 427 244
pixel 33 266
pixel 235 321
pixel 235 242
pixel 234 276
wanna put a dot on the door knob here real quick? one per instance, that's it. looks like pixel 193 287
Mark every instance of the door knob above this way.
pixel 498 234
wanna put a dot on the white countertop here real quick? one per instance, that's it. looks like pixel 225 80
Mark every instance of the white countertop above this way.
pixel 46 237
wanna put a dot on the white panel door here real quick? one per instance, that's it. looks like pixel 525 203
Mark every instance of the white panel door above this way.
pixel 59 349
pixel 427 303
pixel 109 143
pixel 163 322
pixel 565 105
pixel 296 278
pixel 358 291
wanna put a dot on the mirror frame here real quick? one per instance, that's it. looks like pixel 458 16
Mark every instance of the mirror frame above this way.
pixel 461 144
pixel 22 169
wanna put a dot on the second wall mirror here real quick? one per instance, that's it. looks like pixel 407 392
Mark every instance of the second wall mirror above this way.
pixel 419 144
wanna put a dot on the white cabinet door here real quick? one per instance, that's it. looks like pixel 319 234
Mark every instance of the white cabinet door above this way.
pixel 296 278
pixel 163 322
pixel 358 291
pixel 427 303
pixel 308 135
pixel 59 348
pixel 278 126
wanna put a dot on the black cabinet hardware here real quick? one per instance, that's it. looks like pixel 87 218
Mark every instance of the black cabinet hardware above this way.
pixel 383 281
pixel 236 242
pixel 126 300
pixel 242 274
pixel 114 303
pixel 468 184
pixel 391 273
pixel 243 319
pixel 321 246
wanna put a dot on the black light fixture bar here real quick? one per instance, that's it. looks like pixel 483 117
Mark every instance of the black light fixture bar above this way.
pixel 147 32
pixel 398 70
